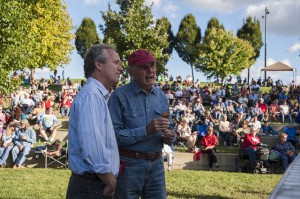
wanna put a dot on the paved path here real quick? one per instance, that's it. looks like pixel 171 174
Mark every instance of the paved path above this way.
pixel 289 185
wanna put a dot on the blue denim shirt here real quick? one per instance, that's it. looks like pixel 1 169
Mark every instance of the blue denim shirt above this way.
pixel 131 109
pixel 29 133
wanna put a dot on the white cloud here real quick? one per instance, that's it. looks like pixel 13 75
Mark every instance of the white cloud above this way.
pixel 295 47
pixel 167 7
pixel 283 18
pixel 92 2
pixel 222 6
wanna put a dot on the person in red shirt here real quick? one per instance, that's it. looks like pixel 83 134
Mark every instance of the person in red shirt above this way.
pixel 263 106
pixel 249 145
pixel 208 145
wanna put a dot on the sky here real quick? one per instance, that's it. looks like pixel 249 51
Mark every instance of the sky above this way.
pixel 283 30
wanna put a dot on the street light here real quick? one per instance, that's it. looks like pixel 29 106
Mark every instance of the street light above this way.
pixel 265 17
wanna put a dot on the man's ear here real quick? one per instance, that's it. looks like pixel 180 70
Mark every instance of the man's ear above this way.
pixel 98 65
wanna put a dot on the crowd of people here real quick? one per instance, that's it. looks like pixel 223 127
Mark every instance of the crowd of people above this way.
pixel 26 108
pixel 131 125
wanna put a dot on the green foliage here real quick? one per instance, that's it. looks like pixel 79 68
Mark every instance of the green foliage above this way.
pixel 213 23
pixel 188 41
pixel 33 34
pixel 53 183
pixel 250 31
pixel 223 54
pixel 86 35
pixel 132 28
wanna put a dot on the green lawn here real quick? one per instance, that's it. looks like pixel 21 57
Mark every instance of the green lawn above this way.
pixel 185 184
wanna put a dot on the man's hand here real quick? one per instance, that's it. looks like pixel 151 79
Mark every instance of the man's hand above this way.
pixel 20 147
pixel 156 125
pixel 23 137
pixel 110 180
pixel 167 136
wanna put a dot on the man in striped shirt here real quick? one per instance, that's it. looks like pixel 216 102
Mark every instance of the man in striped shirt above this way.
pixel 93 151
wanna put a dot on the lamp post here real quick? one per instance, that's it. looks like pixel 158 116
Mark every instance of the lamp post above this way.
pixel 265 17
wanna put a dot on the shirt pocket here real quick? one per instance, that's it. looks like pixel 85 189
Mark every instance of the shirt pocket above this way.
pixel 134 118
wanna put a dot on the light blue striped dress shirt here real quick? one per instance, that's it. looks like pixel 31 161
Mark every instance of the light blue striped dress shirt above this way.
pixel 92 142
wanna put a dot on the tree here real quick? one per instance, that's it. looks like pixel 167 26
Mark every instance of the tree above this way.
pixel 213 23
pixel 132 28
pixel 250 31
pixel 188 41
pixel 223 54
pixel 166 29
pixel 51 28
pixel 14 28
pixel 85 36
pixel 33 34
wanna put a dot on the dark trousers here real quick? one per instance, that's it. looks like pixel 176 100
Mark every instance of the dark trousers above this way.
pixel 83 188
pixel 212 158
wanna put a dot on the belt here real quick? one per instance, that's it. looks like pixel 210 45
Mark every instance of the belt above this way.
pixel 90 176
pixel 139 155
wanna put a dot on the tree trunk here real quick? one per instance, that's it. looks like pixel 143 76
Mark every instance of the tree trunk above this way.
pixel 32 72
pixel 192 72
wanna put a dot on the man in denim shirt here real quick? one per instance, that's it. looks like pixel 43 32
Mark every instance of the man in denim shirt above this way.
pixel 136 110
pixel 24 140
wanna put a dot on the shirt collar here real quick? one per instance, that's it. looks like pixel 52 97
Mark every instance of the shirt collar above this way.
pixel 99 86
pixel 137 89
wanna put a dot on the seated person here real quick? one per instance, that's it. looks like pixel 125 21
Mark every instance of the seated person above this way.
pixel 190 117
pixel 2 120
pixel 240 132
pixel 27 104
pixel 217 111
pixel 286 150
pixel 6 144
pixel 48 123
pixel 184 131
pixel 268 130
pixel 180 109
pixel 24 140
pixel 275 110
pixel 249 145
pixel 167 153
pixel 255 123
pixel 285 112
pixel 198 108
pixel 65 106
pixel 263 106
pixel 295 109
pixel 256 111
pixel 225 130
pixel 240 110
pixel 230 110
pixel 38 111
pixel 52 149
pixel 208 145
pixel 208 119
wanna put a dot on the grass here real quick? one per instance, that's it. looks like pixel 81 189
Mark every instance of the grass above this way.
pixel 185 184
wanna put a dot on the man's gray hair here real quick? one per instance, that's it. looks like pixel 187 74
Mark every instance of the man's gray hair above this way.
pixel 97 52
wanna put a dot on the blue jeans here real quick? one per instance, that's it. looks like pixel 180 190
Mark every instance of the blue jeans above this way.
pixel 285 160
pixel 82 188
pixel 283 116
pixel 65 112
pixel 251 153
pixel 4 153
pixel 141 178
pixel 18 156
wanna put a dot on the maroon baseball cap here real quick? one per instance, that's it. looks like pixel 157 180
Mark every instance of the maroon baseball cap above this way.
pixel 140 57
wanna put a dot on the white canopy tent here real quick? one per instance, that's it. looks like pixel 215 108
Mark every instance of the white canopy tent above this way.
pixel 279 66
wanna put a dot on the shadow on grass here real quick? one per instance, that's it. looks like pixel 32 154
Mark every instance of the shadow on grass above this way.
pixel 195 196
